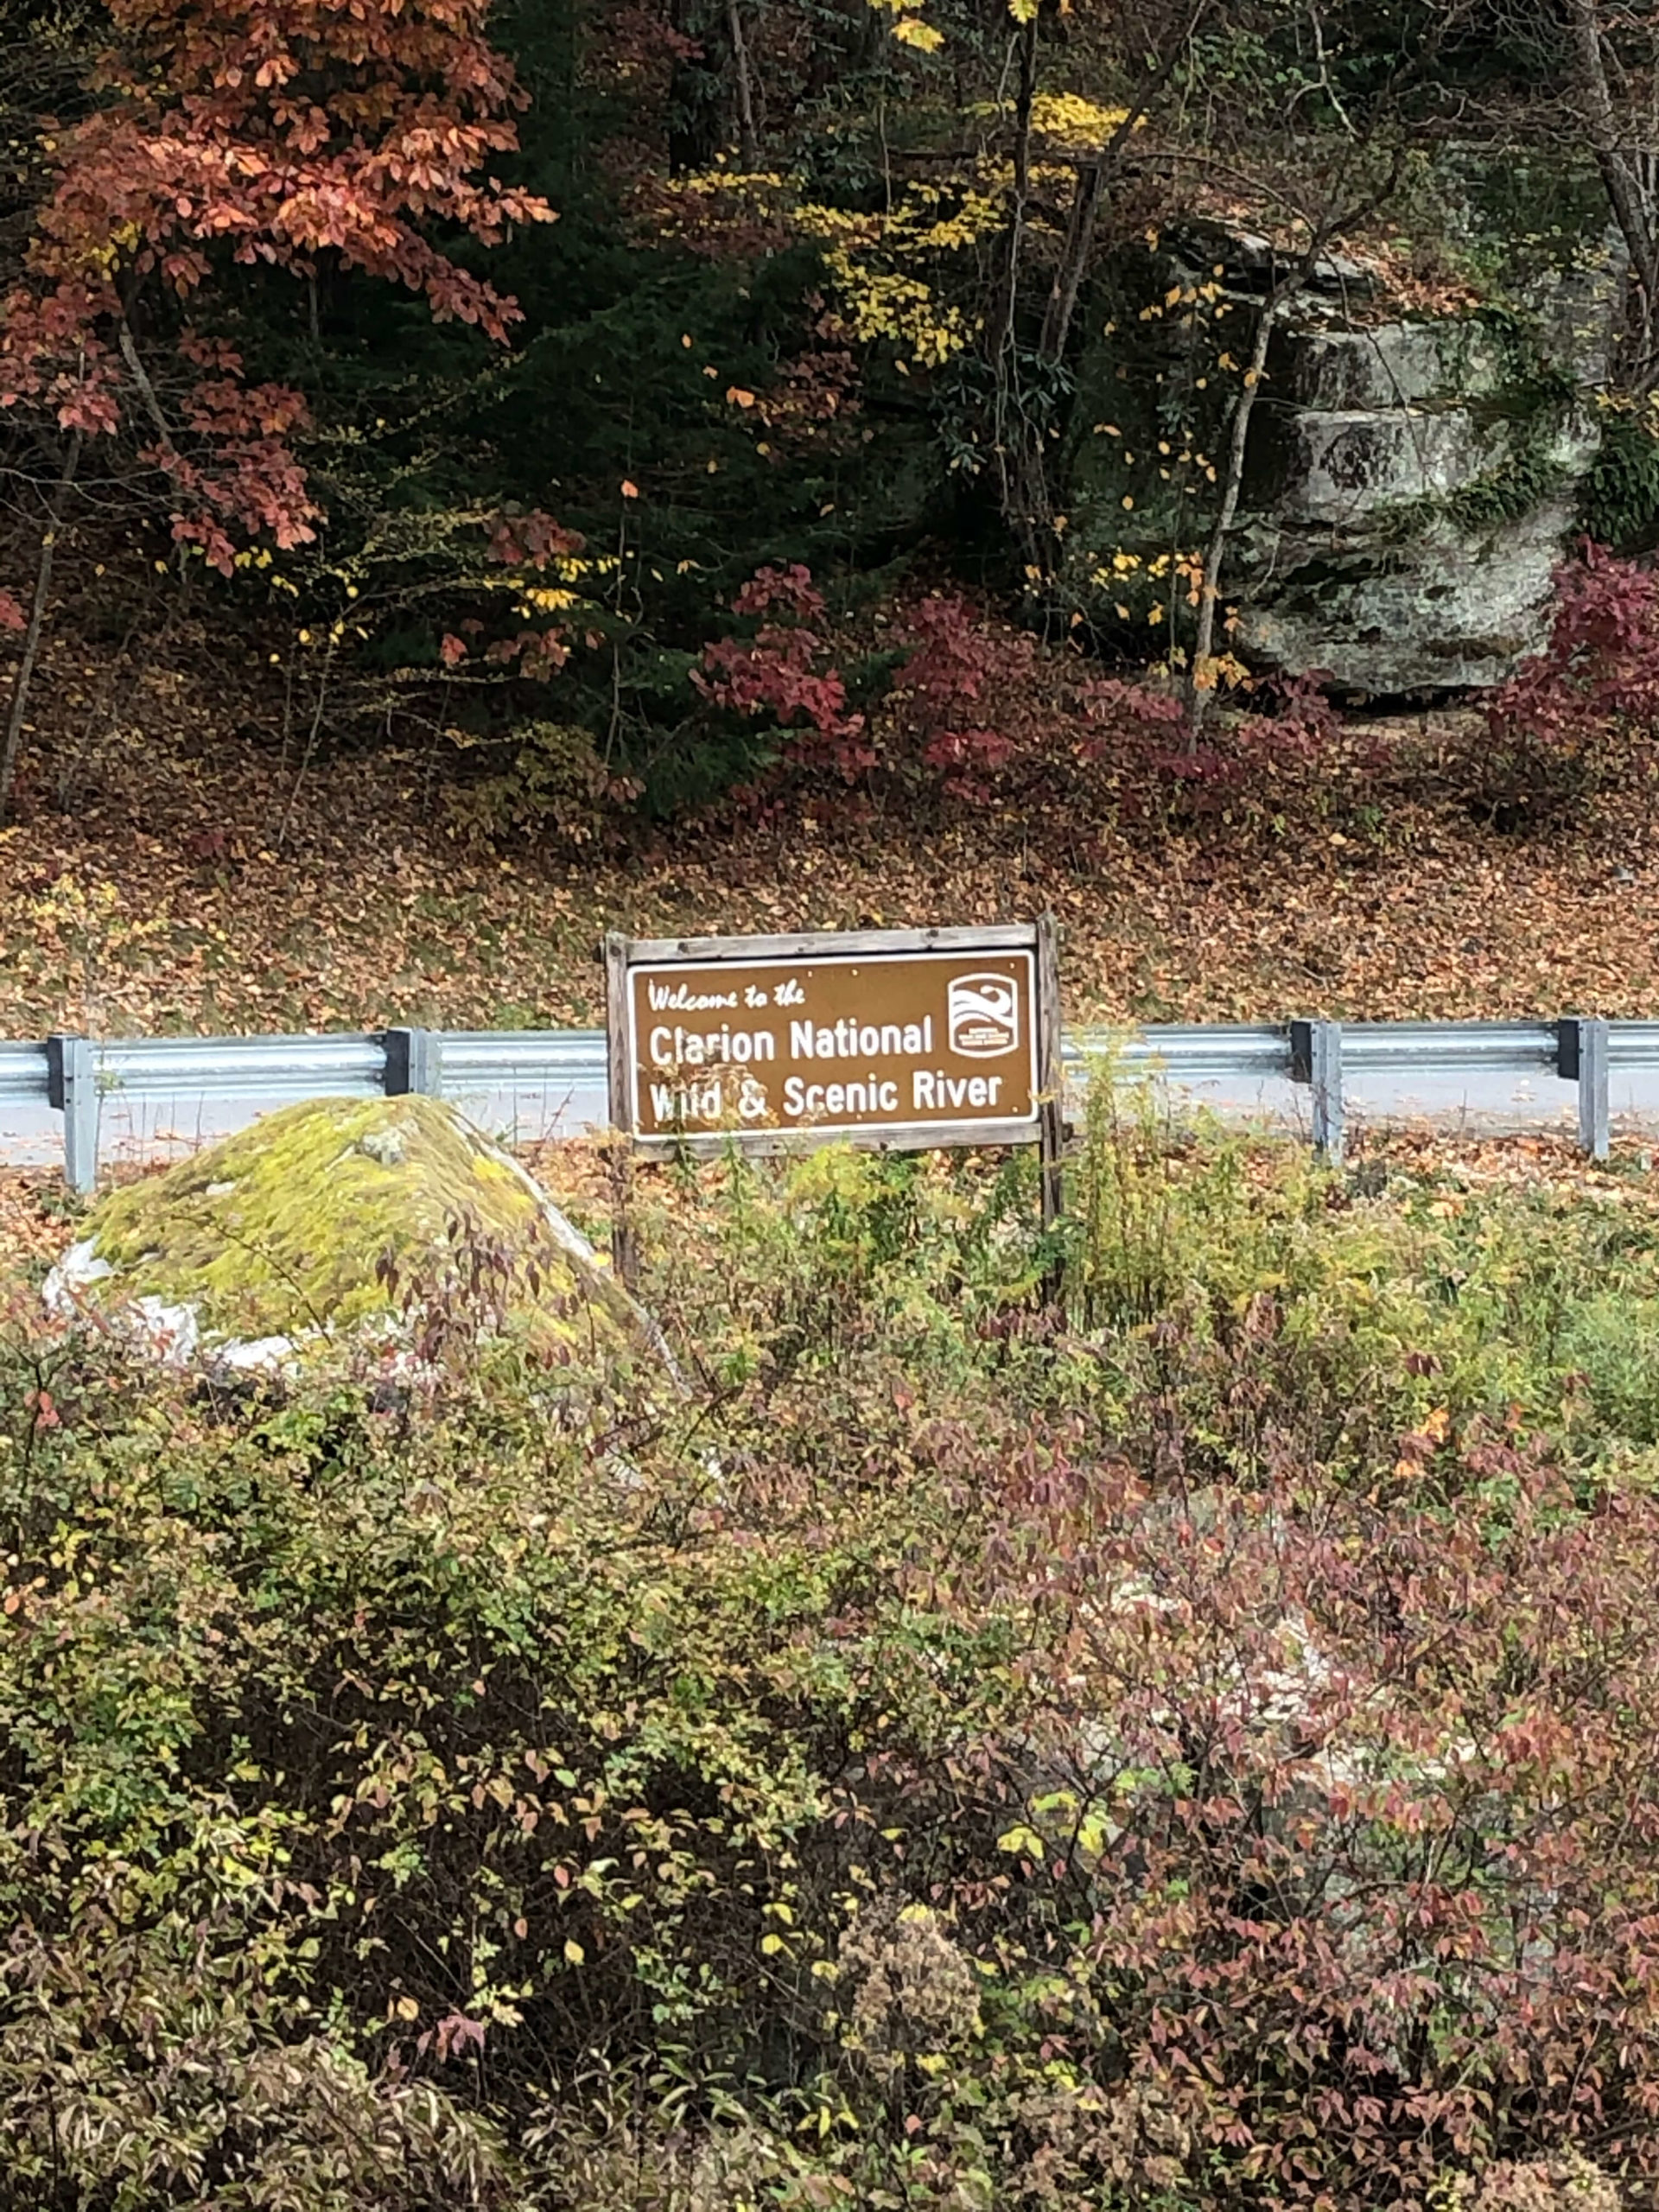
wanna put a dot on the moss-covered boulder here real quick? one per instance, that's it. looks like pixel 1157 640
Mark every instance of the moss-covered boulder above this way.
pixel 342 1220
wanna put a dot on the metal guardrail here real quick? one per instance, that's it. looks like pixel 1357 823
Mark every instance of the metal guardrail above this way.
pixel 73 1075
pixel 221 1067
pixel 1188 1052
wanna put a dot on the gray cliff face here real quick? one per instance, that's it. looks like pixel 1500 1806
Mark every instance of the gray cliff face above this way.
pixel 1412 482
pixel 1412 487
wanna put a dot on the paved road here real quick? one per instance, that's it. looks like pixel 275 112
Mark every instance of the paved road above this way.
pixel 159 1129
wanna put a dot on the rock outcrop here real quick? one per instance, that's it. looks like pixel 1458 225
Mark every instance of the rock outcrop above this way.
pixel 1413 489
pixel 328 1223
pixel 1412 480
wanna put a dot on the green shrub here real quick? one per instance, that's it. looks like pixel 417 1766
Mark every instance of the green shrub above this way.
pixel 1191 1749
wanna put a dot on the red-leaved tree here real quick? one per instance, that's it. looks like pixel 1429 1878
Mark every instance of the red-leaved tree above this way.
pixel 281 133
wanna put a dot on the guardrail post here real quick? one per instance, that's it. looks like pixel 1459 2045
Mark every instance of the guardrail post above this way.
pixel 413 1063
pixel 1582 1058
pixel 72 1087
pixel 1316 1060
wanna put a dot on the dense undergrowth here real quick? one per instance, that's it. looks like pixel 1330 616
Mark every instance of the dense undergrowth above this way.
pixel 1194 1746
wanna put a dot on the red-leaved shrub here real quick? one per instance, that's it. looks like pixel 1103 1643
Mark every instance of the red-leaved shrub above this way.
pixel 1588 705
pixel 980 715
pixel 1339 1826
pixel 779 673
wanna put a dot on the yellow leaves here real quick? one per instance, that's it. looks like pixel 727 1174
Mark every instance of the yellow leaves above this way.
pixel 1222 671
pixel 881 303
pixel 1074 121
pixel 573 1954
pixel 875 261
pixel 1414 1449
pixel 909 28
pixel 878 259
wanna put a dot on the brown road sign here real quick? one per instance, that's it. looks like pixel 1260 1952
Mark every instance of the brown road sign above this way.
pixel 894 1037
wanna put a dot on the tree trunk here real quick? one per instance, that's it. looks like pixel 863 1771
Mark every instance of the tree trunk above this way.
pixel 1021 476
pixel 1021 438
pixel 1623 187
pixel 1073 263
pixel 1008 297
pixel 1201 684
pixel 748 139
pixel 25 676
pixel 1091 190
pixel 694 92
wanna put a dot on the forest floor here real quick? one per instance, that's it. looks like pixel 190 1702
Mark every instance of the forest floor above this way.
pixel 166 871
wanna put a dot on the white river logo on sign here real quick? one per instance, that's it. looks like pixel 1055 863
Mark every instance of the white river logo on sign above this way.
pixel 983 1013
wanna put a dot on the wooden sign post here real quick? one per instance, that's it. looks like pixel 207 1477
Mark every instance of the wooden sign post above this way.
pixel 890 1040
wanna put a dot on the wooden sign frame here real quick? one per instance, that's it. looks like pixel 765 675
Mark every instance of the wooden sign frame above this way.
pixel 1044 1126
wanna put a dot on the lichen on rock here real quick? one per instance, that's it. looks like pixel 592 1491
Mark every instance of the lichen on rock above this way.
pixel 320 1223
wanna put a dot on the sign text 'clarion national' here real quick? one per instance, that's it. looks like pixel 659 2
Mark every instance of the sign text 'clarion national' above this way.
pixel 832 1043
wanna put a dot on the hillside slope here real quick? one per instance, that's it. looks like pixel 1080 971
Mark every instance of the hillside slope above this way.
pixel 168 868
